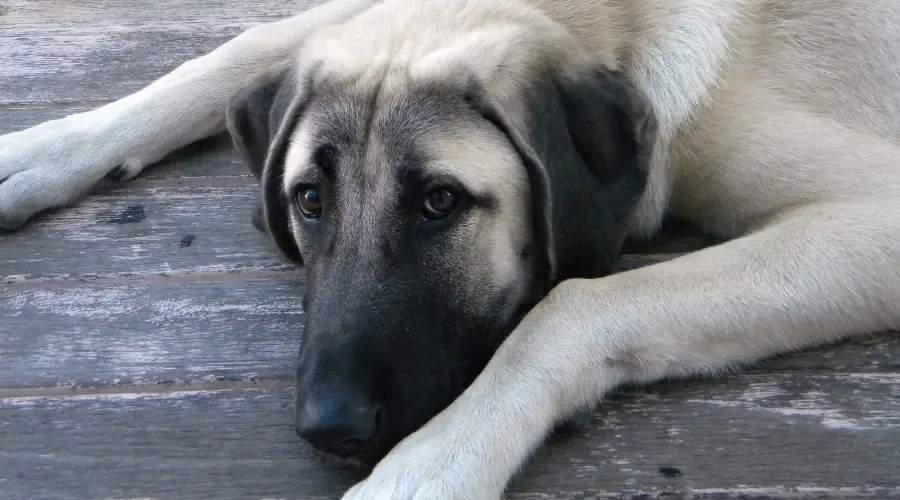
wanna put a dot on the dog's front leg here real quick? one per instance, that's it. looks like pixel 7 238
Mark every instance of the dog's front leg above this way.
pixel 54 163
pixel 818 273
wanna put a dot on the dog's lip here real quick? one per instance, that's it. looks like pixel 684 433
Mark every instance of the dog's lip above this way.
pixel 355 463
pixel 363 459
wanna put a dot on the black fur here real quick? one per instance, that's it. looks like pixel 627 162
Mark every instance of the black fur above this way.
pixel 260 118
pixel 586 144
pixel 254 115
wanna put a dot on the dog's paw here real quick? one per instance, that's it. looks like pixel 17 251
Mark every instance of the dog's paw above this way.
pixel 422 474
pixel 48 166
pixel 444 460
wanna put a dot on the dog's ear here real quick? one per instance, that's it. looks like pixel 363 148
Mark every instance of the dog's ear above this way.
pixel 260 119
pixel 255 113
pixel 586 139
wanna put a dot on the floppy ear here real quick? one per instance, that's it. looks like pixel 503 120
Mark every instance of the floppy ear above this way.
pixel 586 141
pixel 260 119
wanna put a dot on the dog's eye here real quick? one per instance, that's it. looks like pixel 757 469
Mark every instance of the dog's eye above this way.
pixel 439 203
pixel 309 202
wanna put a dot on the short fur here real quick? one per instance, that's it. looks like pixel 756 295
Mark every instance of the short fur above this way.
pixel 567 125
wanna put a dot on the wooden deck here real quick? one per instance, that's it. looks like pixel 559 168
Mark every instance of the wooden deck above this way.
pixel 148 335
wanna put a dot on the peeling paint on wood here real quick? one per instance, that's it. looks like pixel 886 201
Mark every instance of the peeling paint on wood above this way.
pixel 733 434
pixel 160 388
pixel 94 335
pixel 99 50
pixel 853 401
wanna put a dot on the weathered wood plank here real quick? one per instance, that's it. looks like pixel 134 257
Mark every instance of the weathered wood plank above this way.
pixel 233 444
pixel 235 328
pixel 189 14
pixel 95 64
pixel 738 435
pixel 144 230
pixel 100 50
pixel 768 431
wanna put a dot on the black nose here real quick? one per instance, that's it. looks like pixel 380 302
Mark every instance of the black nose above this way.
pixel 338 424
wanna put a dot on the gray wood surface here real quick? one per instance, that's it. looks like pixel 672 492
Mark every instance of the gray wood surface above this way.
pixel 142 230
pixel 765 435
pixel 233 325
pixel 96 50
pixel 148 334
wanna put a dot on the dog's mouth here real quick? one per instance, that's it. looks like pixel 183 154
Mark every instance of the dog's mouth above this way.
pixel 353 464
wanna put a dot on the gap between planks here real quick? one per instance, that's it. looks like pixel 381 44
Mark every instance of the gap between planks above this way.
pixel 204 385
pixel 198 275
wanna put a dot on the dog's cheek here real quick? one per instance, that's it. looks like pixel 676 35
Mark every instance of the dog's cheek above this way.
pixel 307 238
pixel 503 257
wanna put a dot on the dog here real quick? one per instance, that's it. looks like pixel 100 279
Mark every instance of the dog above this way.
pixel 459 176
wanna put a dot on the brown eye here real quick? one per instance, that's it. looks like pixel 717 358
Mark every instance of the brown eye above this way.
pixel 439 204
pixel 309 203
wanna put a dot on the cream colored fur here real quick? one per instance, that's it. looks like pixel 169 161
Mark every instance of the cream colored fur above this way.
pixel 779 130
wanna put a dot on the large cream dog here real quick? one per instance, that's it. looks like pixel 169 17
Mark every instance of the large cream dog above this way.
pixel 459 176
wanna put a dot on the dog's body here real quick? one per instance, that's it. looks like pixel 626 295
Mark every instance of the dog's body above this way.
pixel 774 124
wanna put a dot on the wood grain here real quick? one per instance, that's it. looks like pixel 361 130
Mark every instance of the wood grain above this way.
pixel 232 326
pixel 99 50
pixel 796 430
pixel 146 228
pixel 708 438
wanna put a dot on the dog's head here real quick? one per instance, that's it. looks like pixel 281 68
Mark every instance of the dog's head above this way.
pixel 433 198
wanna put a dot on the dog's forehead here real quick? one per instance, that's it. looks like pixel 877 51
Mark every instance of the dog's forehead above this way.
pixel 386 108
pixel 384 128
